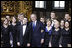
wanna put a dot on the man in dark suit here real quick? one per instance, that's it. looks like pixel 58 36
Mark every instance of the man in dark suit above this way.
pixel 22 34
pixel 36 32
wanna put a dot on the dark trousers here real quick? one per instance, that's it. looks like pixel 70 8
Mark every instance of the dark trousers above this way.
pixel 14 41
pixel 34 43
pixel 42 45
pixel 47 40
pixel 14 44
pixel 64 45
pixel 56 44
pixel 24 43
pixel 6 45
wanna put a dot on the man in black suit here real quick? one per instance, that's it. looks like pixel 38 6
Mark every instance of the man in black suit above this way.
pixel 36 32
pixel 22 34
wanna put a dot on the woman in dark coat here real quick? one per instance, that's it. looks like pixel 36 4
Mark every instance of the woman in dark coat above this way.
pixel 61 28
pixel 48 32
pixel 13 29
pixel 55 35
pixel 66 35
pixel 5 33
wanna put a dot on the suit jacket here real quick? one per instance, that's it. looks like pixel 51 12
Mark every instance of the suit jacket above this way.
pixel 20 38
pixel 36 35
pixel 18 23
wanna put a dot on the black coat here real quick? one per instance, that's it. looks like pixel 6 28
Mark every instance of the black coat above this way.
pixel 13 30
pixel 18 23
pixel 5 36
pixel 47 36
pixel 66 36
pixel 60 41
pixel 55 38
pixel 20 38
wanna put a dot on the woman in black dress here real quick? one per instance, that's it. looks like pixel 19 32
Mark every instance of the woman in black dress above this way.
pixel 61 28
pixel 5 33
pixel 13 29
pixel 55 35
pixel 66 35
pixel 48 32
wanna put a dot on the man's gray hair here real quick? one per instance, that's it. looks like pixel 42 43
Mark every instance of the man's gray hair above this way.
pixel 33 14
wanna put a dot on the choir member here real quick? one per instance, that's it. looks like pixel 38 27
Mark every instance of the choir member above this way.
pixel 20 18
pixel 42 19
pixel 22 34
pixel 13 30
pixel 25 18
pixel 36 35
pixel 5 33
pixel 61 28
pixel 48 32
pixel 66 35
pixel 62 24
pixel 68 18
pixel 55 35
pixel 53 17
pixel 8 17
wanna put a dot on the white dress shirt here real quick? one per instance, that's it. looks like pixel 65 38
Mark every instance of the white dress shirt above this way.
pixel 24 28
pixel 52 23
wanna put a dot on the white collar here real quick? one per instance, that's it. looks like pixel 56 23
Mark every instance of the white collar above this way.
pixel 35 22
pixel 48 28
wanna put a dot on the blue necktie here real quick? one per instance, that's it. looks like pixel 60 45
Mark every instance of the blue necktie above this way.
pixel 33 26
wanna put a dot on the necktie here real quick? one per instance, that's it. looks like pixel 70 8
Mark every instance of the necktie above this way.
pixel 33 26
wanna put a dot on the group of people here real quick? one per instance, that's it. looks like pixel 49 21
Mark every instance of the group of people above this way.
pixel 19 32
